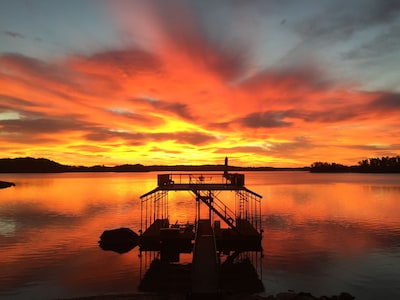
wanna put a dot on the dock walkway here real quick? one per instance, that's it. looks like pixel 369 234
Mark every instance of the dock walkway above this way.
pixel 205 262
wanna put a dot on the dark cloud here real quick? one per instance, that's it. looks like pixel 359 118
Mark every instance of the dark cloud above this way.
pixel 299 142
pixel 136 117
pixel 220 126
pixel 106 135
pixel 381 44
pixel 55 78
pixel 389 102
pixel 242 149
pixel 62 79
pixel 179 109
pixel 127 62
pixel 185 29
pixel 383 11
pixel 13 34
pixel 269 119
pixel 11 102
pixel 333 115
pixel 274 149
pixel 299 78
pixel 89 148
pixel 27 139
pixel 342 19
pixel 33 67
pixel 168 151
pixel 229 63
pixel 37 124
pixel 192 138
pixel 377 147
pixel 139 138
pixel 333 111
pixel 176 108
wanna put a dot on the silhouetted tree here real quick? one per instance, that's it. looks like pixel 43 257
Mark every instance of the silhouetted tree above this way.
pixel 385 164
pixel 328 167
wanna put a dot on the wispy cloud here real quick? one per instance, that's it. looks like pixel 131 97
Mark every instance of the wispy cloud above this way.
pixel 13 34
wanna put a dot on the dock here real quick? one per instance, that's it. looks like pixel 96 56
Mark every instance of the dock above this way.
pixel 228 239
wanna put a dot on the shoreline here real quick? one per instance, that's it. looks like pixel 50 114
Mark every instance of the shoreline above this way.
pixel 226 296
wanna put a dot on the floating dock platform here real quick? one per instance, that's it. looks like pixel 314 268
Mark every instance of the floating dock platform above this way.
pixel 227 232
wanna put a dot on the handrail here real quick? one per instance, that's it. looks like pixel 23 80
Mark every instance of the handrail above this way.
pixel 228 213
pixel 195 178
pixel 222 210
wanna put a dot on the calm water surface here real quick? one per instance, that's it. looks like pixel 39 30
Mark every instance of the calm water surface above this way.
pixel 323 233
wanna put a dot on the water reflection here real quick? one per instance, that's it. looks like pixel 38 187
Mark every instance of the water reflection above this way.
pixel 239 273
pixel 50 225
pixel 334 237
pixel 323 233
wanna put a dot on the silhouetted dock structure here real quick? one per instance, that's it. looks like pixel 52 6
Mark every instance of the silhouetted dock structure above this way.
pixel 232 232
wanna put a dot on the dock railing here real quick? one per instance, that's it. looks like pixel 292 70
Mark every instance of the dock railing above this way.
pixel 154 204
pixel 190 178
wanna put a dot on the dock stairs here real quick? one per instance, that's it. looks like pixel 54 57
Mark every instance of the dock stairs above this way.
pixel 218 207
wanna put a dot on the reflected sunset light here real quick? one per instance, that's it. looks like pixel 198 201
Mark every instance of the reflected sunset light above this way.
pixel 313 224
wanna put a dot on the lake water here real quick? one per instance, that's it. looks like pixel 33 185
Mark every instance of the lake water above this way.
pixel 323 233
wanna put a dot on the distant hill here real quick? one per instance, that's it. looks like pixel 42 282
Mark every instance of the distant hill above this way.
pixel 43 165
pixel 30 165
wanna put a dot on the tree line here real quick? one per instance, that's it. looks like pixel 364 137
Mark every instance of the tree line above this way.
pixel 385 164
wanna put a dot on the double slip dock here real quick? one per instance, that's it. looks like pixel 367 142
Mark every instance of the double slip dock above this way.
pixel 229 232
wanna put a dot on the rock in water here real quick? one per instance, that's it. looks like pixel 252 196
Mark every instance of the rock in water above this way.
pixel 6 184
pixel 119 235
pixel 119 240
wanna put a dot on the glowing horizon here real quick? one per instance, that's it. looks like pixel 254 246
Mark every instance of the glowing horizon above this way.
pixel 280 84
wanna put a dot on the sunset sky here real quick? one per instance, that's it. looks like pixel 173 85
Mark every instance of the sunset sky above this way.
pixel 267 83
